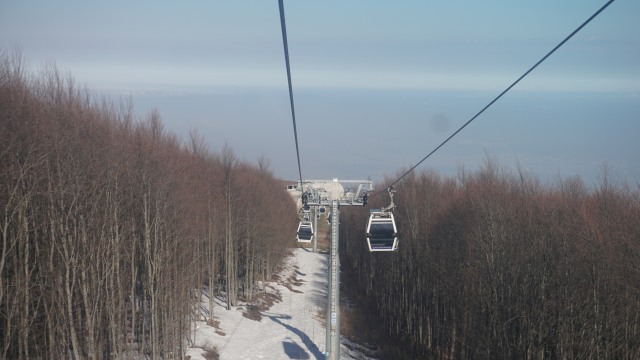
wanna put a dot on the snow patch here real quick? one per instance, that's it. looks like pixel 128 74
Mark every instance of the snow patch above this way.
pixel 285 324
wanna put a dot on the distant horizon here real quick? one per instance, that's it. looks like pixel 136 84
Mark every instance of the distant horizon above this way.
pixel 446 161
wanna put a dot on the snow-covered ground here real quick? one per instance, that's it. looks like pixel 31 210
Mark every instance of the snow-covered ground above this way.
pixel 292 328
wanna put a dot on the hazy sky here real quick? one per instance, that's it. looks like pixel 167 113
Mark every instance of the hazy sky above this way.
pixel 377 84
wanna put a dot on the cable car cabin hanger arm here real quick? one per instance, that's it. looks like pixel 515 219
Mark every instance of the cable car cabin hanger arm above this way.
pixel 391 206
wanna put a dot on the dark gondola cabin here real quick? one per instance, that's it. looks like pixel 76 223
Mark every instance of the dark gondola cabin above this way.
pixel 382 234
pixel 305 232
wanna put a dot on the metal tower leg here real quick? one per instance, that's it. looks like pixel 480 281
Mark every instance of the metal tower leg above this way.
pixel 333 312
pixel 315 228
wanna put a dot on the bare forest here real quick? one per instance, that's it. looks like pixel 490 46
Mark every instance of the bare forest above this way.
pixel 493 265
pixel 112 227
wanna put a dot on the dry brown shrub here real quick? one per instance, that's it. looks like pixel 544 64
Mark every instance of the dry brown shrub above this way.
pixel 288 286
pixel 252 313
pixel 266 300
pixel 211 354
pixel 214 323
pixel 295 281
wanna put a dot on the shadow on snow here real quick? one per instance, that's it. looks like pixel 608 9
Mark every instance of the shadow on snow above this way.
pixel 293 350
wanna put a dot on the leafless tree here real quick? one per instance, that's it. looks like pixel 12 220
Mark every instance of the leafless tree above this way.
pixel 109 224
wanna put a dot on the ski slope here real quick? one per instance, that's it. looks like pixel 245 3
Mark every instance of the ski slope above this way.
pixel 292 328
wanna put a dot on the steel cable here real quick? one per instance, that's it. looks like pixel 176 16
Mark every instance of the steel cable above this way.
pixel 293 113
pixel 506 90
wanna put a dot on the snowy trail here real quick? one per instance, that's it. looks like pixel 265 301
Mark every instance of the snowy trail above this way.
pixel 290 329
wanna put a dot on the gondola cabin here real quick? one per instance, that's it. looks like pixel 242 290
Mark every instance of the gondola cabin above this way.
pixel 305 232
pixel 382 234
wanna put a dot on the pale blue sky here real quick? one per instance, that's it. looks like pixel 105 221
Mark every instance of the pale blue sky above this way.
pixel 377 84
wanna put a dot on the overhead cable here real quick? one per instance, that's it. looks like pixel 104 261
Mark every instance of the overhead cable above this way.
pixel 506 90
pixel 293 113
